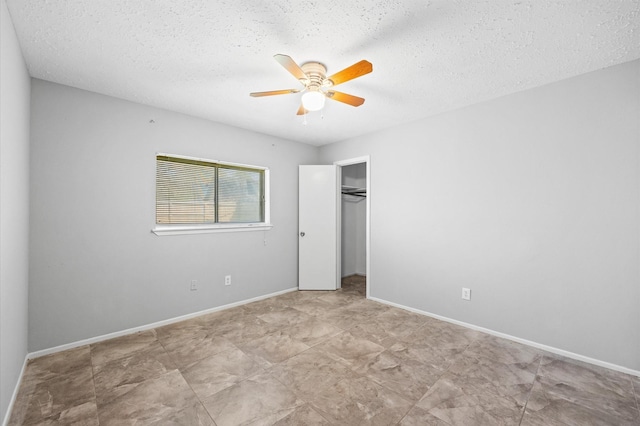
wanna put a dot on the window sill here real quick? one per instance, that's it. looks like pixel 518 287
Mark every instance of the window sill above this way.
pixel 208 229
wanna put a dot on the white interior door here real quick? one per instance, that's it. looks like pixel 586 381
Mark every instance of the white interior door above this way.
pixel 317 228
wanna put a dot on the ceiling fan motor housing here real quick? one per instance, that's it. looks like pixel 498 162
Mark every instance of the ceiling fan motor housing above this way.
pixel 316 73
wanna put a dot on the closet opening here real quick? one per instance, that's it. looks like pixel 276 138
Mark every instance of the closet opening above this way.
pixel 354 227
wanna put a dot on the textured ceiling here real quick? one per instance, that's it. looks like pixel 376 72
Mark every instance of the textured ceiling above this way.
pixel 204 57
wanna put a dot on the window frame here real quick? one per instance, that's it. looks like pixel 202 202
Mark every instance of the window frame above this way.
pixel 184 229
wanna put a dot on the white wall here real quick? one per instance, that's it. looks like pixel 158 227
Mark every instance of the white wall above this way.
pixel 354 216
pixel 530 200
pixel 14 209
pixel 96 268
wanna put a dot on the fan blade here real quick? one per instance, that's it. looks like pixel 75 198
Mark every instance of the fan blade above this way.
pixel 291 66
pixel 345 98
pixel 273 92
pixel 354 71
pixel 301 110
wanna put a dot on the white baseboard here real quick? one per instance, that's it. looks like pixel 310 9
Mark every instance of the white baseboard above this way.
pixel 7 415
pixel 146 327
pixel 97 339
pixel 517 339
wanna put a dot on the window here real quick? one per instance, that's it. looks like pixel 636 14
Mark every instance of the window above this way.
pixel 196 195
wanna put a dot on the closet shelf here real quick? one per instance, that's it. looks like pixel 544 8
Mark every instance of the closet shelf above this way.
pixel 353 193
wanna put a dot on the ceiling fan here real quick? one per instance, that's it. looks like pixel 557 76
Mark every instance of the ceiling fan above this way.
pixel 317 86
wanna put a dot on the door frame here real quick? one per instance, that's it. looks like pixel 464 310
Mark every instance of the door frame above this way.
pixel 358 160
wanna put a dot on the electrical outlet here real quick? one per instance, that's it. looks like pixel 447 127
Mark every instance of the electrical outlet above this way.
pixel 194 285
pixel 227 280
pixel 466 293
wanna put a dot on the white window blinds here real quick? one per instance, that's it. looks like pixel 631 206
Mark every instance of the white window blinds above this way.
pixel 193 191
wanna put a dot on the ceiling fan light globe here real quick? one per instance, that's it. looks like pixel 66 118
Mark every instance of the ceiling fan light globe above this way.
pixel 313 100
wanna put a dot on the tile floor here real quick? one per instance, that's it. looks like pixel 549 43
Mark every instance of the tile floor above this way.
pixel 319 358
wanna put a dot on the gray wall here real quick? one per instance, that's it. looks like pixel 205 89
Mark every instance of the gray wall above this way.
pixel 96 268
pixel 530 200
pixel 14 209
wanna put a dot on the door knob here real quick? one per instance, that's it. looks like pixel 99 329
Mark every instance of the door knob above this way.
pixel 302 234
